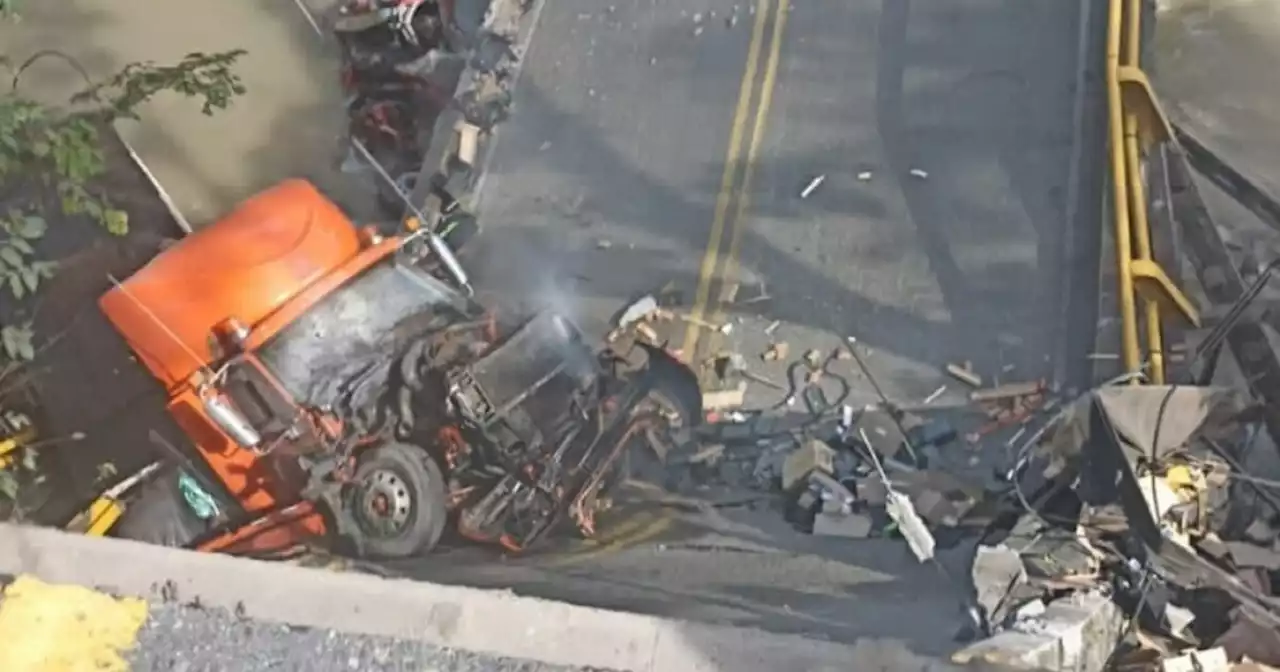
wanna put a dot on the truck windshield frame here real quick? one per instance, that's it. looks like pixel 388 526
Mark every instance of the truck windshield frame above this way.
pixel 370 316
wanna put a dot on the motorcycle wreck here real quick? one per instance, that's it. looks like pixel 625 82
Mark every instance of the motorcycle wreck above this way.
pixel 356 399
pixel 400 64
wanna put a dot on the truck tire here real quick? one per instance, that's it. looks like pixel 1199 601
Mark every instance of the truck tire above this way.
pixel 398 502
pixel 158 514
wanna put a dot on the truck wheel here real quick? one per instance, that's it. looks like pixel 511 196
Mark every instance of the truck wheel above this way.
pixel 398 502
pixel 158 514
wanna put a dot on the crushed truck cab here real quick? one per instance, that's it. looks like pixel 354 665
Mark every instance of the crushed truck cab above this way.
pixel 332 386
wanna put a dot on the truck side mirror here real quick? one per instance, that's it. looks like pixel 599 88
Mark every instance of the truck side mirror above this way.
pixel 223 412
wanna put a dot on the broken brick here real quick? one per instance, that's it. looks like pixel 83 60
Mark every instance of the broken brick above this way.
pixel 813 455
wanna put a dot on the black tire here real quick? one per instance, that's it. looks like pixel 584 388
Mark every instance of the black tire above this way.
pixel 420 481
pixel 159 514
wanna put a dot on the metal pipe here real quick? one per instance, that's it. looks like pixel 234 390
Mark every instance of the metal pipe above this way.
pixel 1130 355
pixel 434 241
pixel 1137 194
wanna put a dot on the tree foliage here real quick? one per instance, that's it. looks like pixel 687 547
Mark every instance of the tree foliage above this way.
pixel 51 151
pixel 51 159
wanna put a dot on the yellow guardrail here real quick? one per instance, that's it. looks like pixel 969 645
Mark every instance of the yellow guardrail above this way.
pixel 1135 125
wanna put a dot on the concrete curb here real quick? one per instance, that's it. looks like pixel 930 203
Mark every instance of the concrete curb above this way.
pixel 486 621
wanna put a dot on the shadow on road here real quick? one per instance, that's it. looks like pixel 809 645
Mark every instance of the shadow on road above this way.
pixel 986 114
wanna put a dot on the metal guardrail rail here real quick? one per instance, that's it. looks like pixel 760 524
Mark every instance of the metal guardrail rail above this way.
pixel 1146 149
pixel 1136 130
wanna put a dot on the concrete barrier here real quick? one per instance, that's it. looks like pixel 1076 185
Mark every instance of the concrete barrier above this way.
pixel 486 621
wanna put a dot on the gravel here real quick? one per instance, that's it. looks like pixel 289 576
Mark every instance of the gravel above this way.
pixel 189 639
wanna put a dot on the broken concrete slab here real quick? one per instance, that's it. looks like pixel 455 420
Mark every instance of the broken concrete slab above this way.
pixel 1077 632
pixel 812 455
pixel 996 571
pixel 882 430
pixel 719 400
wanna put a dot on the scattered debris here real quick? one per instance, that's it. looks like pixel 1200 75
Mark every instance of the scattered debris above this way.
pixel 708 454
pixel 812 186
pixel 642 309
pixel 1008 391
pixel 762 294
pixel 1208 660
pixel 1136 488
pixel 776 352
pixel 813 455
pixel 933 396
pixel 903 513
pixel 864 176
pixel 919 174
pixel 716 400
pixel 725 328
pixel 964 373
pixel 773 326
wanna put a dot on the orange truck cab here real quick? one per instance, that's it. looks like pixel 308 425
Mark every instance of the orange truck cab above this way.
pixel 258 326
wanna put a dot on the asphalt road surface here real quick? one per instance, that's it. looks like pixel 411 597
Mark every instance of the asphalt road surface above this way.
pixel 636 156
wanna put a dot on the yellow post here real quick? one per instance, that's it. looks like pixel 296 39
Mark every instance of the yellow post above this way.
pixel 1137 194
pixel 1130 356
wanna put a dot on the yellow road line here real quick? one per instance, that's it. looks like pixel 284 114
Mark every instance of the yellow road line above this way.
pixel 753 148
pixel 741 112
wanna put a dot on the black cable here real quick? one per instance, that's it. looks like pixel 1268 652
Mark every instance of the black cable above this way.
pixel 1144 590
pixel 1155 447
pixel 817 404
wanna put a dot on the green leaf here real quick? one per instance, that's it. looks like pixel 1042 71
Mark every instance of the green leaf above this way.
pixel 32 227
pixel 7 336
pixel 26 351
pixel 12 257
pixel 116 221
pixel 18 289
pixel 17 342
pixel 8 486
pixel 21 245
pixel 30 278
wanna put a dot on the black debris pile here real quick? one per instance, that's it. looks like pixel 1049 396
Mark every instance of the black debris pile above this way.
pixel 1151 496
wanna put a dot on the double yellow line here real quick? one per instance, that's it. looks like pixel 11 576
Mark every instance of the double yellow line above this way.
pixel 739 168
pixel 754 97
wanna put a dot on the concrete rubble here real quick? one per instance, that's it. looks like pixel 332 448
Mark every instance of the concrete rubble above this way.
pixel 1094 545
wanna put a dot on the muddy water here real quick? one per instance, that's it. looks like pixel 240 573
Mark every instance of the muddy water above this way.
pixel 1215 65
pixel 288 124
